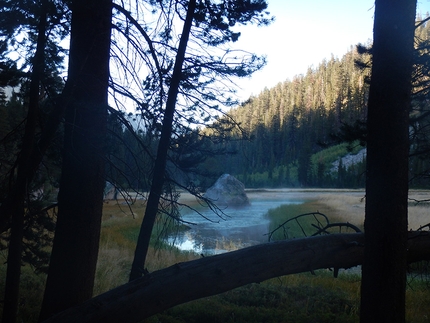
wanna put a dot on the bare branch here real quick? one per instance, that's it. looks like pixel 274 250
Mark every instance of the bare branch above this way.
pixel 208 276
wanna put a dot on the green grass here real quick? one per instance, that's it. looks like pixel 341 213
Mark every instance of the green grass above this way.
pixel 294 298
pixel 31 292
pixel 120 230
pixel 319 171
pixel 329 155
pixel 302 227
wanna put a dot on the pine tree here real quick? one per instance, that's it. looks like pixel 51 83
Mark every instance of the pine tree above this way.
pixel 384 267
pixel 74 255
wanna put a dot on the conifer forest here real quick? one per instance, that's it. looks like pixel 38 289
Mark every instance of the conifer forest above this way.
pixel 292 135
pixel 295 134
pixel 137 99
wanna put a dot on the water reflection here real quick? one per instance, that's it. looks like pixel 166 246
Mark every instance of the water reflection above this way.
pixel 238 228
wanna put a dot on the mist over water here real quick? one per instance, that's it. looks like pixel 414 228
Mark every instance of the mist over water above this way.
pixel 236 228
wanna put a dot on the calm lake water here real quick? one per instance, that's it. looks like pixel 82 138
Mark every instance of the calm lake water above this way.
pixel 237 228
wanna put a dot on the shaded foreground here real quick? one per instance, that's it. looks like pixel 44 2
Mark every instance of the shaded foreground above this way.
pixel 299 298
pixel 207 276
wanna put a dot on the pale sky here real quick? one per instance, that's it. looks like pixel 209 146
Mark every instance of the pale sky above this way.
pixel 303 34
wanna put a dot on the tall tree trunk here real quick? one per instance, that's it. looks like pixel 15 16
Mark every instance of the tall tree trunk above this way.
pixel 384 267
pixel 160 163
pixel 80 200
pixel 17 208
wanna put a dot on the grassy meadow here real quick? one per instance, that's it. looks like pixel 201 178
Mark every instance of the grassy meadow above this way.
pixel 305 297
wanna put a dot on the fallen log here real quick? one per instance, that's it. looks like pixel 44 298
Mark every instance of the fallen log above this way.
pixel 183 282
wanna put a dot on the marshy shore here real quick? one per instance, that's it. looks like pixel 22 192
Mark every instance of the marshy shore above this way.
pixel 344 204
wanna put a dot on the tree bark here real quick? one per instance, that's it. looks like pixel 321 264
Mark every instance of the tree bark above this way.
pixel 384 267
pixel 138 266
pixel 16 208
pixel 74 255
pixel 183 282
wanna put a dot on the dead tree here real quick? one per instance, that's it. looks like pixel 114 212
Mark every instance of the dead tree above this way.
pixel 208 276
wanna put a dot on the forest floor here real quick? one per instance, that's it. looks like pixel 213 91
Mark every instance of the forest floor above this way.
pixel 308 297
pixel 294 298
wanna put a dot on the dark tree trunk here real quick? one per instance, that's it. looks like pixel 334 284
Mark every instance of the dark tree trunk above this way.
pixel 208 276
pixel 384 267
pixel 74 255
pixel 17 203
pixel 163 147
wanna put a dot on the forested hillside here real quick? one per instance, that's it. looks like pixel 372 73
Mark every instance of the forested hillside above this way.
pixel 64 134
pixel 288 124
pixel 297 132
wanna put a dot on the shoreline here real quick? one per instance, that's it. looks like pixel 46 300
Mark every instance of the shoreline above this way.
pixel 347 204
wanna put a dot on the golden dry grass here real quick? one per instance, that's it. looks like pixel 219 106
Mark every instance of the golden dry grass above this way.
pixel 419 208
pixel 120 228
pixel 113 267
pixel 346 206
pixel 350 206
pixel 119 233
